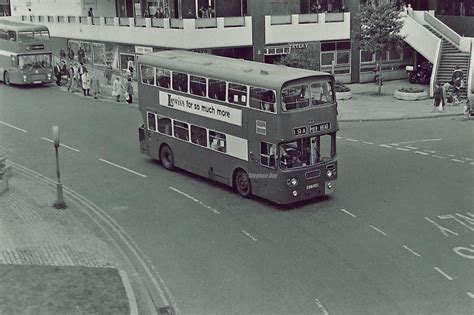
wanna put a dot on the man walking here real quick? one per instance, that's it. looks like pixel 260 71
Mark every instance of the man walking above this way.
pixel 57 73
pixel 438 98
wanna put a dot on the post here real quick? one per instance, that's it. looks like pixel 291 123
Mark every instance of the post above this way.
pixel 59 203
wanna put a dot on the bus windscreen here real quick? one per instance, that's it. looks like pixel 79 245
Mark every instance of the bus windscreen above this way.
pixel 34 61
pixel 306 152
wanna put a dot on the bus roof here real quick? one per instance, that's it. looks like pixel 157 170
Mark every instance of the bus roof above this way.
pixel 228 69
pixel 18 26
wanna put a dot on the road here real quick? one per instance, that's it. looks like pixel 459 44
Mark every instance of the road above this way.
pixel 396 238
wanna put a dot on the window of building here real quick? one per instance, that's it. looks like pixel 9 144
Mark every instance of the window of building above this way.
pixel 237 94
pixel 327 58
pixel 394 54
pixel 263 99
pixel 380 56
pixel 164 125
pixel 267 154
pixel 199 136
pixel 217 89
pixel 197 85
pixel 343 58
pixel 163 78
pixel 148 75
pixel 151 118
pixel 367 56
pixel 180 82
pixel 217 141
pixel 181 130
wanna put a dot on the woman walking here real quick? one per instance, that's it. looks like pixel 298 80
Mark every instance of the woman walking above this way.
pixel 86 83
pixel 117 88
pixel 129 89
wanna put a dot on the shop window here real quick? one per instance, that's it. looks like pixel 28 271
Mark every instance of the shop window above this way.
pixel 148 75
pixel 237 94
pixel 263 99
pixel 267 154
pixel 327 58
pixel 331 46
pixel 163 78
pixel 366 56
pixel 164 125
pixel 180 82
pixel 380 56
pixel 151 118
pixel 217 89
pixel 197 85
pixel 181 130
pixel 394 54
pixel 199 136
pixel 343 57
pixel 217 141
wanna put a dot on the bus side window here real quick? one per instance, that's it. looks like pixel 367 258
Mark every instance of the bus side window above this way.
pixel 164 125
pixel 262 99
pixel 267 154
pixel 198 136
pixel 163 78
pixel 151 118
pixel 217 141
pixel 197 85
pixel 181 130
pixel 217 89
pixel 180 82
pixel 148 75
pixel 237 94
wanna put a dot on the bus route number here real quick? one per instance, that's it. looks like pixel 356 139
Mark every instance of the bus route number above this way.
pixel 298 131
pixel 320 127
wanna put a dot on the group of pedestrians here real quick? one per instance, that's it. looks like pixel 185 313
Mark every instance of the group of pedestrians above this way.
pixel 119 90
pixel 450 91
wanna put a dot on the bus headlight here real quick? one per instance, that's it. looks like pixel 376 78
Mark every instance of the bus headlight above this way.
pixel 24 78
pixel 295 193
pixel 49 76
pixel 292 182
pixel 329 173
pixel 329 185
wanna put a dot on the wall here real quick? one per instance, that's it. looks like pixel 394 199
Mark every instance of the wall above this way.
pixel 105 8
pixel 463 25
pixel 43 7
pixel 228 8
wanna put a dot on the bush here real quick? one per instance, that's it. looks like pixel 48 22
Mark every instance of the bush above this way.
pixel 411 90
pixel 341 87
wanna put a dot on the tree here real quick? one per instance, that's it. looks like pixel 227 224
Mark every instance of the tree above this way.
pixel 307 58
pixel 380 25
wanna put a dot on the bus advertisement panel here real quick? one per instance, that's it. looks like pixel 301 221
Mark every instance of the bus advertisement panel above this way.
pixel 265 130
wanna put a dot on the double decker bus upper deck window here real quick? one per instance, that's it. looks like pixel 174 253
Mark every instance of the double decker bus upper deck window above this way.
pixel 163 78
pixel 295 97
pixel 148 75
pixel 180 82
pixel 237 94
pixel 197 85
pixel 308 151
pixel 217 89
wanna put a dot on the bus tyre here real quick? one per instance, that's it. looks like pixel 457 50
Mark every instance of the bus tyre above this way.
pixel 6 78
pixel 166 157
pixel 242 183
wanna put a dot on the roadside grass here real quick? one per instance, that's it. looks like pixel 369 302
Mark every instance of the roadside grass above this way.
pixel 33 289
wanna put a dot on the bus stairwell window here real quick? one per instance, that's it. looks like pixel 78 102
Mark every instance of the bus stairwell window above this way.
pixel 321 93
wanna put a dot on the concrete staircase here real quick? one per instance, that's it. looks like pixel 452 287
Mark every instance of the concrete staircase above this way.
pixel 449 59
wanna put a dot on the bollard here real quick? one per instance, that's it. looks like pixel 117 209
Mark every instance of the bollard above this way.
pixel 59 204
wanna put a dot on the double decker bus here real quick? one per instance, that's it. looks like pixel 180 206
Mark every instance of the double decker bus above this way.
pixel 25 53
pixel 265 130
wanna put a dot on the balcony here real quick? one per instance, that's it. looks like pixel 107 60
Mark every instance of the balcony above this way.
pixel 172 33
pixel 307 27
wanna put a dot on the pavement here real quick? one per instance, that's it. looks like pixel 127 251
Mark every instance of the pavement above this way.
pixel 33 233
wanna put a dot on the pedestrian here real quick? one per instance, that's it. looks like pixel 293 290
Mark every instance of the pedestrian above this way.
pixel 81 55
pixel 458 77
pixel 62 54
pixel 70 54
pixel 117 88
pixel 71 77
pixel 129 91
pixel 130 68
pixel 446 88
pixel 57 73
pixel 410 10
pixel 95 86
pixel 86 83
pixel 108 73
pixel 438 97
pixel 90 13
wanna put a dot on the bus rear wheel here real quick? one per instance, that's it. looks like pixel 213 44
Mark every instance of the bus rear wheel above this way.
pixel 6 78
pixel 242 183
pixel 166 157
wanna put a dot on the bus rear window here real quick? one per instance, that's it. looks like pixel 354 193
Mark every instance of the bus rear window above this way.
pixel 25 36
pixel 321 93
pixel 295 97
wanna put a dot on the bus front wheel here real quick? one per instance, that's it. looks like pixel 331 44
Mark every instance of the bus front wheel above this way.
pixel 166 157
pixel 6 78
pixel 242 183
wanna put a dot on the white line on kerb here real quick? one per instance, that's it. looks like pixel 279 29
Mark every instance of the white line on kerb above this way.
pixel 378 230
pixel 443 273
pixel 321 307
pixel 62 144
pixel 250 236
pixel 11 126
pixel 347 212
pixel 124 168
pixel 403 149
pixel 353 140
pixel 337 137
pixel 456 160
pixel 470 295
pixel 194 199
pixel 420 152
pixel 367 142
pixel 411 250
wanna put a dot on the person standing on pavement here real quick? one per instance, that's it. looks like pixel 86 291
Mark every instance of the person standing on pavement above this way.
pixel 438 97
pixel 117 88
pixel 95 85
pixel 70 54
pixel 81 55
pixel 458 80
pixel 108 73
pixel 86 83
pixel 72 78
pixel 129 89
pixel 57 73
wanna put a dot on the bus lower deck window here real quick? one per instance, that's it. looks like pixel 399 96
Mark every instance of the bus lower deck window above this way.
pixel 181 130
pixel 164 125
pixel 217 141
pixel 199 136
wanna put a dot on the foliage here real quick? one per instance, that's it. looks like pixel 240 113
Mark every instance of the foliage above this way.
pixel 411 90
pixel 341 87
pixel 302 58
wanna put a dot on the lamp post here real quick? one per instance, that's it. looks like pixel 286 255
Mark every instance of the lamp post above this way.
pixel 59 203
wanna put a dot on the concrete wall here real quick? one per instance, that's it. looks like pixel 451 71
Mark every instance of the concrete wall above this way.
pixel 44 7
pixel 463 25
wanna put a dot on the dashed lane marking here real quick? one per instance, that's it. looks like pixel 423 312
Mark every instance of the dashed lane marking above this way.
pixel 367 142
pixel 11 126
pixel 321 307
pixel 470 295
pixel 416 141
pixel 468 159
pixel 403 149
pixel 456 160
pixel 121 167
pixel 347 212
pixel 410 147
pixel 429 151
pixel 194 199
pixel 438 157
pixel 250 236
pixel 385 145
pixel 352 140
pixel 62 144
pixel 411 250
pixel 378 230
pixel 451 155
pixel 443 273
pixel 422 153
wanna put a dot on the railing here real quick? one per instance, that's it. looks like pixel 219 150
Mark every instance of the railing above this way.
pixel 71 19
pixel 50 19
pixel 442 28
pixel 206 23
pixel 61 19
pixel 280 19
pixel 309 18
pixel 83 19
pixel 96 20
pixel 335 17
pixel 41 19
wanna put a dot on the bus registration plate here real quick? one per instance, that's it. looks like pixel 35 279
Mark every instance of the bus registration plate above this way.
pixel 299 131
pixel 312 186
pixel 320 127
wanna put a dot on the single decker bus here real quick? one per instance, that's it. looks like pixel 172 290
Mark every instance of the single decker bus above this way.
pixel 25 53
pixel 266 130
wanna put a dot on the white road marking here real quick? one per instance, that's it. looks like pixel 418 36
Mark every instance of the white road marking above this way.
pixel 5 149
pixel 124 168
pixel 443 273
pixel 415 141
pixel 411 251
pixel 353 140
pixel 438 157
pixel 422 153
pixel 378 230
pixel 62 144
pixel 11 126
pixel 337 137
pixel 385 145
pixel 250 236
pixel 429 151
pixel 468 159
pixel 450 155
pixel 472 163
pixel 352 215
pixel 456 160
pixel 410 147
pixel 194 199
pixel 403 149
pixel 470 295
pixel 443 229
pixel 321 307
pixel 367 142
